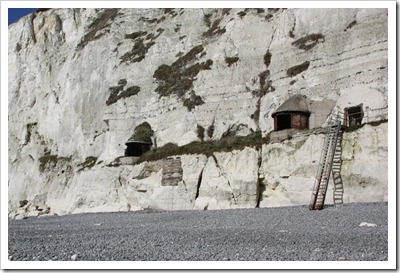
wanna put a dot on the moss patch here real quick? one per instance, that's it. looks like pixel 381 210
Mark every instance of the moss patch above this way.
pixel 226 11
pixel 246 11
pixel 349 26
pixel 29 129
pixel 207 19
pixel 143 132
pixel 130 91
pixel 263 78
pixel 138 52
pixel 178 77
pixel 231 60
pixel 267 58
pixel 214 29
pixel 210 130
pixel 22 203
pixel 152 20
pixel 309 41
pixel 200 132
pixel 115 163
pixel 89 162
pixel 256 115
pixel 49 161
pixel 356 127
pixel 177 27
pixel 269 16
pixel 241 14
pixel 143 42
pixel 193 101
pixel 265 85
pixel 170 11
pixel 377 123
pixel 135 35
pixel 297 69
pixel 101 22
pixel 161 19
pixel 120 92
pixel 122 82
pixel 207 148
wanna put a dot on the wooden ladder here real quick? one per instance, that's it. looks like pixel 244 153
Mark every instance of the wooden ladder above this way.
pixel 327 159
pixel 336 170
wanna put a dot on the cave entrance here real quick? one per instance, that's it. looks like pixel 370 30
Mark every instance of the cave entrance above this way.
pixel 136 148
pixel 354 115
pixel 283 121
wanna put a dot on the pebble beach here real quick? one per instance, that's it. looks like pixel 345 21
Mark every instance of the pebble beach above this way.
pixel 348 232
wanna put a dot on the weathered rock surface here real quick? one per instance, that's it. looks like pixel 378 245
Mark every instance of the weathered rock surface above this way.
pixel 81 81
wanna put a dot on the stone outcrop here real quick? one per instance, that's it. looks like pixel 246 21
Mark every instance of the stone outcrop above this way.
pixel 82 80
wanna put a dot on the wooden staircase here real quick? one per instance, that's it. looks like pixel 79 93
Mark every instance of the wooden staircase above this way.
pixel 330 162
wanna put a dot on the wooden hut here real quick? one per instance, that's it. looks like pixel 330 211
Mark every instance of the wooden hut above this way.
pixel 292 114
pixel 136 148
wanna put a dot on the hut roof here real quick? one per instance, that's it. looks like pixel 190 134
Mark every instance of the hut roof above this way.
pixel 131 140
pixel 297 103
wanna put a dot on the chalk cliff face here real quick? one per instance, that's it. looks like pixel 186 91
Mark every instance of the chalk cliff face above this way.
pixel 82 80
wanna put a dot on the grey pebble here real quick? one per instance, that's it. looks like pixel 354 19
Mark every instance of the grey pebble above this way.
pixel 259 234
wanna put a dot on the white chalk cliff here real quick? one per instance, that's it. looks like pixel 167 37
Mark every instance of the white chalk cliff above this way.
pixel 82 80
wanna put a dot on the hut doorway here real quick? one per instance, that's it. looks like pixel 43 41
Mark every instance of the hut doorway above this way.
pixel 354 115
pixel 136 148
pixel 283 121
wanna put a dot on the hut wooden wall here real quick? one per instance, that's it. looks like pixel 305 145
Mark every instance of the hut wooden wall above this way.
pixel 299 121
